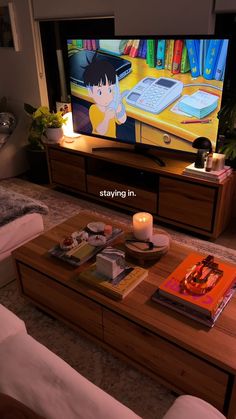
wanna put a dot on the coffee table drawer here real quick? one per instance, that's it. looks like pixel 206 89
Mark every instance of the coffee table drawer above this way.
pixel 186 372
pixel 65 302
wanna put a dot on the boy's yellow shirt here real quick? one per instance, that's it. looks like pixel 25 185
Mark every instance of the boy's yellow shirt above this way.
pixel 97 116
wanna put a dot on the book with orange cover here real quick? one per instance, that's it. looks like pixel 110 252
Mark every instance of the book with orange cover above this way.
pixel 206 303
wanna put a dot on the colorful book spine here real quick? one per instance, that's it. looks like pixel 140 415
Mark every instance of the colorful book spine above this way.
pixel 205 49
pixel 211 58
pixel 178 48
pixel 93 44
pixel 193 55
pixel 140 47
pixel 144 49
pixel 151 53
pixel 201 56
pixel 134 49
pixel 184 65
pixel 79 43
pixel 220 65
pixel 167 53
pixel 128 47
pixel 161 46
pixel 170 54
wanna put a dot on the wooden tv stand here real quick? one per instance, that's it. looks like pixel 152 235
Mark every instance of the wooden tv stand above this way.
pixel 139 183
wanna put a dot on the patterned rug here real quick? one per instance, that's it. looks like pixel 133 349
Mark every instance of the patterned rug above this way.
pixel 136 390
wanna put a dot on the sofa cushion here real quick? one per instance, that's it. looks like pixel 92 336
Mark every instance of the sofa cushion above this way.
pixel 42 381
pixel 186 407
pixel 10 324
pixel 18 232
pixel 13 235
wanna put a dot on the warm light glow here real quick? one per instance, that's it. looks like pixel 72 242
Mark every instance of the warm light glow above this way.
pixel 68 126
pixel 143 225
pixel 143 219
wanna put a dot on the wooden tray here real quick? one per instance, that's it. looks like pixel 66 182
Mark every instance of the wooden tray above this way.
pixel 139 250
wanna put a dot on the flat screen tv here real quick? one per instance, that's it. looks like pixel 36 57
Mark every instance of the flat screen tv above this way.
pixel 161 93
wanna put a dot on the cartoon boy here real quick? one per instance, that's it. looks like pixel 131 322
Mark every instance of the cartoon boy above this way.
pixel 108 110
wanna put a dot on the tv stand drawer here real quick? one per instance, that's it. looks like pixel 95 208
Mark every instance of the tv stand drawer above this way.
pixel 188 203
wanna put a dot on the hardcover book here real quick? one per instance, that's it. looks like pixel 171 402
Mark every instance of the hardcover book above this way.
pixel 193 55
pixel 117 288
pixel 176 64
pixel 191 312
pixel 213 174
pixel 209 290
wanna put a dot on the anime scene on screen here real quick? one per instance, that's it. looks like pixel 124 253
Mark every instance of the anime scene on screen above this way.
pixel 159 92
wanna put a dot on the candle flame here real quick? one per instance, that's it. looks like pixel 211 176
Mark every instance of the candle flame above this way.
pixel 142 220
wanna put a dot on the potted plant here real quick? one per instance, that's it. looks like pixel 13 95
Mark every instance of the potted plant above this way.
pixel 42 120
pixel 227 124
pixel 229 150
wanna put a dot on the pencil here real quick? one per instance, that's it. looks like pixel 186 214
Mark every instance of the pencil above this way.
pixel 196 121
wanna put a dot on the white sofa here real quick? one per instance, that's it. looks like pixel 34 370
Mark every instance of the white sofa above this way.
pixel 33 375
pixel 13 235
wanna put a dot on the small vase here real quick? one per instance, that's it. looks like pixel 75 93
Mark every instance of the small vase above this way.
pixel 54 135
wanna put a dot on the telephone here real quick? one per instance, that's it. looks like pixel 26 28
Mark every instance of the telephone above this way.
pixel 154 94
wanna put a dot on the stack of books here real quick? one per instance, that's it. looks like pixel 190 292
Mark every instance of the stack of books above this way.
pixel 117 288
pixel 215 176
pixel 204 307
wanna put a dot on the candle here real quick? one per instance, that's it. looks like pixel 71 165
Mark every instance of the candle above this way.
pixel 143 226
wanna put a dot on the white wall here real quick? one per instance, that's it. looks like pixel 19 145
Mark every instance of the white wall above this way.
pixel 56 9
pixel 164 17
pixel 19 82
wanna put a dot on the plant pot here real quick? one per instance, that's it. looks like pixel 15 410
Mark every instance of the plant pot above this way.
pixel 38 168
pixel 54 135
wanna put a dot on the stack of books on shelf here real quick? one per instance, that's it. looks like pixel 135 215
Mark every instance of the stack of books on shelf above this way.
pixel 199 288
pixel 215 176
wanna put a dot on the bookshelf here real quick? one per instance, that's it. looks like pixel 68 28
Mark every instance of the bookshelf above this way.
pixel 195 205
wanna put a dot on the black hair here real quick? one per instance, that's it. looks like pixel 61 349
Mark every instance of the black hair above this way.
pixel 97 71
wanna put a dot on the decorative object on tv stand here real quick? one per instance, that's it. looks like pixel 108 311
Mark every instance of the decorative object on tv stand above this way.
pixel 44 123
pixel 143 226
pixel 35 150
pixel 202 144
pixel 7 126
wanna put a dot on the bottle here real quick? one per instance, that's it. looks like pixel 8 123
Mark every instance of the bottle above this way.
pixel 209 161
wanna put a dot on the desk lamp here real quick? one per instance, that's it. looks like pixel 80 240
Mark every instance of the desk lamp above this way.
pixel 202 144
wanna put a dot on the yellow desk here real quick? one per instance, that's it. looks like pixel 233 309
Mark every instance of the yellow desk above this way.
pixel 164 129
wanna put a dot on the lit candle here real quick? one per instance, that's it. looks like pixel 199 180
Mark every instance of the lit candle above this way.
pixel 143 226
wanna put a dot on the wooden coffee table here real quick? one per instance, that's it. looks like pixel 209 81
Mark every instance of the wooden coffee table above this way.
pixel 184 355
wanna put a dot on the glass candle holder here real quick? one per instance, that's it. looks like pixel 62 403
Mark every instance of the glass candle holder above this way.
pixel 143 226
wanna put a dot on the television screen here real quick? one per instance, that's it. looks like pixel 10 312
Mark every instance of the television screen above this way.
pixel 157 92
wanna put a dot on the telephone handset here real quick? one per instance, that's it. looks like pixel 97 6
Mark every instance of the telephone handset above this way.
pixel 117 97
pixel 117 100
pixel 155 94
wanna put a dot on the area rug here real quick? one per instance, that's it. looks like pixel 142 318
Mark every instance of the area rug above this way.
pixel 134 389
